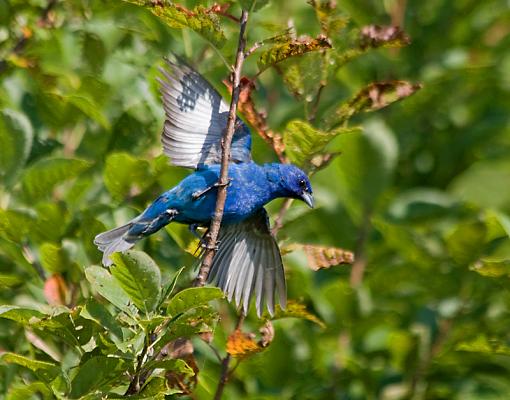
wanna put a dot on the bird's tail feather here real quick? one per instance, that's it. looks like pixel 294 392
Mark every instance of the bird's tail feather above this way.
pixel 113 241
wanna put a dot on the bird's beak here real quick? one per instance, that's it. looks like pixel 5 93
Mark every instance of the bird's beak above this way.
pixel 308 199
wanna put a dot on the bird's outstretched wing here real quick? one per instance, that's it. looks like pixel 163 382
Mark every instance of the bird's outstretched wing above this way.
pixel 196 117
pixel 248 263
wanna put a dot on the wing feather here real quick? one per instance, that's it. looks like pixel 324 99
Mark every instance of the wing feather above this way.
pixel 196 117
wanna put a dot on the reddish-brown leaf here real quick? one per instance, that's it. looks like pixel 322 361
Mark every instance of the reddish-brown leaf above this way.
pixel 55 290
pixel 383 36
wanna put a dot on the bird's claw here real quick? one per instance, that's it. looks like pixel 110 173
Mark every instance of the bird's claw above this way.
pixel 207 246
pixel 200 193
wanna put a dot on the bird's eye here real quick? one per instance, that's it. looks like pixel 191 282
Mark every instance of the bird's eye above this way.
pixel 302 184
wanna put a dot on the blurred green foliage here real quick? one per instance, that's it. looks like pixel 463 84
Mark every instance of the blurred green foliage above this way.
pixel 421 195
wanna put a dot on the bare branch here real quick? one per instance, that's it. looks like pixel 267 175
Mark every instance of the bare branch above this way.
pixel 214 229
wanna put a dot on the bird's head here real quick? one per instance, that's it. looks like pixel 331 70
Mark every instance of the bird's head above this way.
pixel 292 182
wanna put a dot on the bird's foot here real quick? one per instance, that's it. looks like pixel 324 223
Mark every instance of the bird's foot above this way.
pixel 207 246
pixel 200 193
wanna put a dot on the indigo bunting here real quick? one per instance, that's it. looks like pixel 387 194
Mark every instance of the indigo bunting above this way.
pixel 247 261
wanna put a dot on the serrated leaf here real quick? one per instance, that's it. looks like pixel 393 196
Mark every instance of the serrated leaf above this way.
pixel 108 287
pixel 296 47
pixel 191 298
pixel 200 19
pixel 373 97
pixel 43 175
pixel 125 175
pixel 140 278
pixel 96 373
pixel 303 142
pixel 44 370
pixel 297 310
pixel 16 135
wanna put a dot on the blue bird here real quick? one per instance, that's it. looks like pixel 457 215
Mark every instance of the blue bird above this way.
pixel 248 262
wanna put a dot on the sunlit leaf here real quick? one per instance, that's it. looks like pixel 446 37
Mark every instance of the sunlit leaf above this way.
pixel 297 310
pixel 491 268
pixel 253 5
pixel 140 278
pixel 282 51
pixel 466 241
pixel 191 298
pixel 108 287
pixel 15 225
pixel 199 19
pixel 303 142
pixel 485 345
pixel 10 280
pixel 19 314
pixel 45 370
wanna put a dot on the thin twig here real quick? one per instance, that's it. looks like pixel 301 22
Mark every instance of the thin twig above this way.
pixel 225 373
pixel 134 385
pixel 214 229
pixel 278 221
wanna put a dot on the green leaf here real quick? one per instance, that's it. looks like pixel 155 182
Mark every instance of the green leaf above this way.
pixel 44 370
pixel 96 373
pixel 125 175
pixel 303 142
pixel 297 310
pixel 53 258
pixel 200 19
pixel 15 225
pixel 89 108
pixel 366 166
pixel 484 345
pixel 156 388
pixel 10 280
pixel 140 278
pixel 16 137
pixel 465 243
pixel 296 47
pixel 168 289
pixel 24 392
pixel 176 366
pixel 21 315
pixel 485 183
pixel 192 297
pixel 491 268
pixel 108 287
pixel 42 176
pixel 93 51
pixel 100 314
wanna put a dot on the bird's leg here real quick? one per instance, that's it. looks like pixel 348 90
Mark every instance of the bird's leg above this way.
pixel 193 228
pixel 200 193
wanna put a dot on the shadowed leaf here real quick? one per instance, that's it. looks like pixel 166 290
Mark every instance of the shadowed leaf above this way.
pixel 44 370
pixel 96 373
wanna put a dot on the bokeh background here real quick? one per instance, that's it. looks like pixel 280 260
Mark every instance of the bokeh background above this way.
pixel 422 196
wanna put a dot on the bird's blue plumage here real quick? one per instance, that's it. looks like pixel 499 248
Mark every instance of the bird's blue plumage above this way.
pixel 248 260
